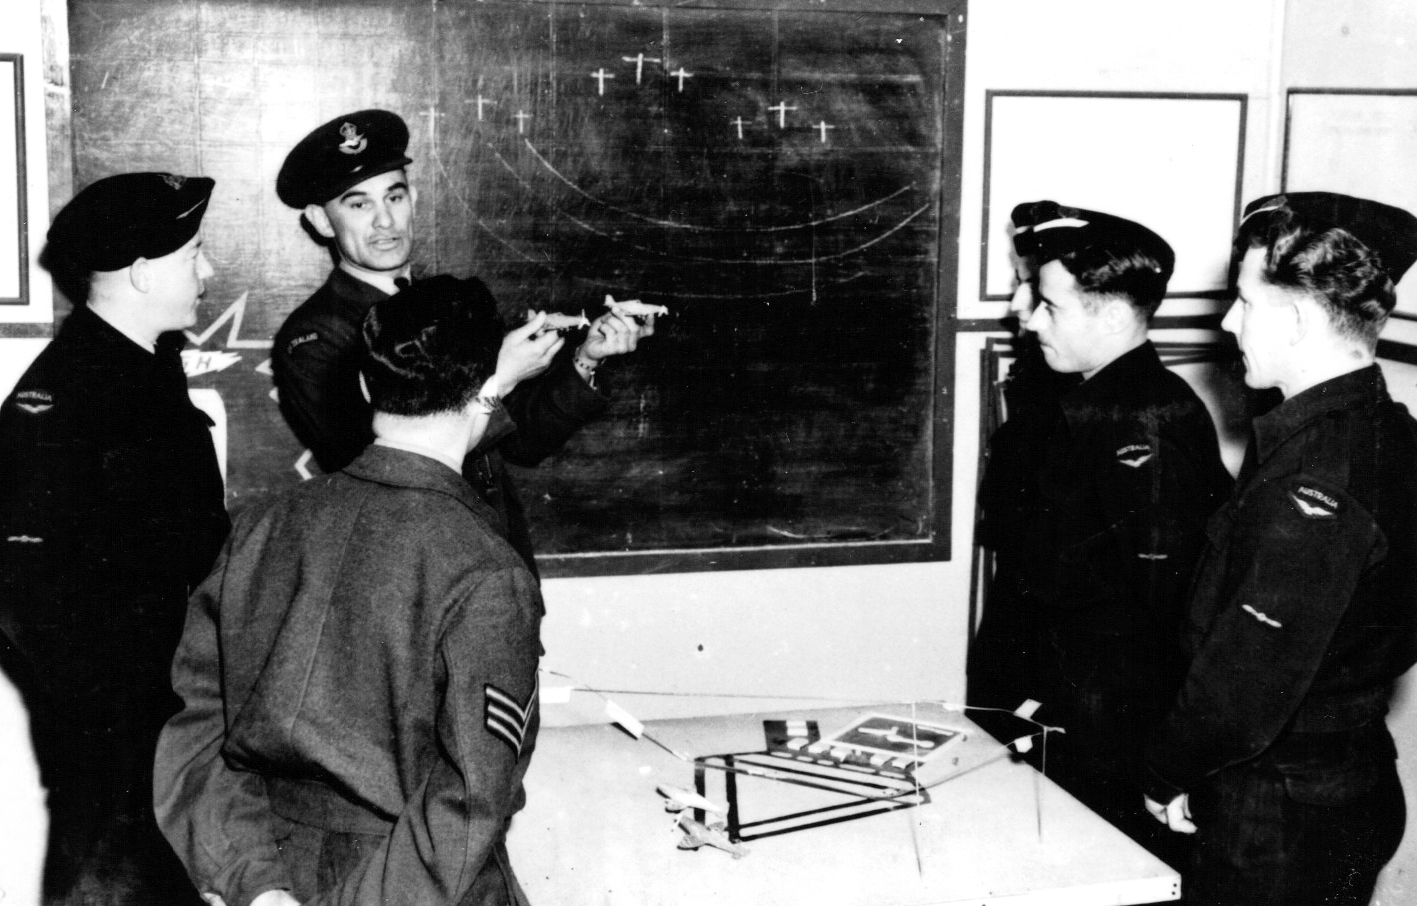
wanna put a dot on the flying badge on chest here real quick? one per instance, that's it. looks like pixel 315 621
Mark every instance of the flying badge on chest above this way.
pixel 1313 503
pixel 1134 455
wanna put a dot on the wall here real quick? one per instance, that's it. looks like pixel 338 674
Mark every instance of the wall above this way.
pixel 720 641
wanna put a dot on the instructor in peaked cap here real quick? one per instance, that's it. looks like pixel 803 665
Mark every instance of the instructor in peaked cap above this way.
pixel 1276 754
pixel 1097 528
pixel 111 509
pixel 349 179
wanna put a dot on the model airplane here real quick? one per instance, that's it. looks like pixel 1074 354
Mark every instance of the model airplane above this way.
pixel 561 323
pixel 634 307
pixel 698 834
pixel 677 799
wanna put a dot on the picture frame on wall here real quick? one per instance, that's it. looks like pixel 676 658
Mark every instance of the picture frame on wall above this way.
pixel 14 247
pixel 1325 130
pixel 1172 161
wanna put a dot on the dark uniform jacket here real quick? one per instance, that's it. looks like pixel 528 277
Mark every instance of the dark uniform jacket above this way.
pixel 111 511
pixel 362 660
pixel 316 358
pixel 1132 472
pixel 1304 610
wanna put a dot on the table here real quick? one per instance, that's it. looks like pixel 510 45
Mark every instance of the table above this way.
pixel 595 831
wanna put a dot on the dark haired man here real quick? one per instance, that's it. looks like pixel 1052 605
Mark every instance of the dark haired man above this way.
pixel 111 511
pixel 1130 471
pixel 349 179
pixel 359 671
pixel 1304 611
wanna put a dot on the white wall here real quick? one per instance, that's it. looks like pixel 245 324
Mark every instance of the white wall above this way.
pixel 721 639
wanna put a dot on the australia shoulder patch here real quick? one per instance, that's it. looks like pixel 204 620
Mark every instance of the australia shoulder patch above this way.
pixel 506 718
pixel 1134 456
pixel 35 402
pixel 1313 503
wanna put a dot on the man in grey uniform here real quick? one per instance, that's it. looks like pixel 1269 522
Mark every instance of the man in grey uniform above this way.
pixel 359 671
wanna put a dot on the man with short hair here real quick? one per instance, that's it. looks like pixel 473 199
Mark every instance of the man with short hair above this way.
pixel 1129 472
pixel 111 511
pixel 359 671
pixel 349 179
pixel 1276 753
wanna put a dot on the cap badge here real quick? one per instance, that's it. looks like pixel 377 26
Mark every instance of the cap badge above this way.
pixel 353 142
pixel 174 181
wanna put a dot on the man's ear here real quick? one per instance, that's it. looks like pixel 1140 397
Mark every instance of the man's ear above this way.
pixel 1117 315
pixel 1300 317
pixel 140 275
pixel 315 214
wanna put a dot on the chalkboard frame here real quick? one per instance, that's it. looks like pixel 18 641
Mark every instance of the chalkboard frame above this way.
pixel 930 538
pixel 937 545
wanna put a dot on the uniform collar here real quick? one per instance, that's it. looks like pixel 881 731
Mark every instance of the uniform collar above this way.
pixel 1356 389
pixel 1116 380
pixel 83 324
pixel 407 469
pixel 351 289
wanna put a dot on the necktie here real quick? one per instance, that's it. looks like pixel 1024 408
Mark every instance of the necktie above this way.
pixel 401 282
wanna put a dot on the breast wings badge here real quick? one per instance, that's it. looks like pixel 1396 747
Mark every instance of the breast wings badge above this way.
pixel 1134 455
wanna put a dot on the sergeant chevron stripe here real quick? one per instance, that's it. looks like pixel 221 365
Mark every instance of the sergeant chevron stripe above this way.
pixel 505 718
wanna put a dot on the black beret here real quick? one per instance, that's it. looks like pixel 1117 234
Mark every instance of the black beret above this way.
pixel 342 153
pixel 1389 232
pixel 118 219
pixel 1046 230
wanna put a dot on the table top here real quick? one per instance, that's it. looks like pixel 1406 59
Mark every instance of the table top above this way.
pixel 595 831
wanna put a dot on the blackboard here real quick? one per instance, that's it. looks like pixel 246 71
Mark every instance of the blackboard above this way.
pixel 783 176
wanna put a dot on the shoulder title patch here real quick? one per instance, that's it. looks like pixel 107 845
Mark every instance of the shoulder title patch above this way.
pixel 507 719
pixel 1134 455
pixel 35 402
pixel 301 341
pixel 1313 503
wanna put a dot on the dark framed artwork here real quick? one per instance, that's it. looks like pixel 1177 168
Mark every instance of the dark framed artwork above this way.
pixel 14 220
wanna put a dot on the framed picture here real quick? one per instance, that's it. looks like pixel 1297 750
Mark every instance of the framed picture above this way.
pixel 14 247
pixel 1359 142
pixel 1171 161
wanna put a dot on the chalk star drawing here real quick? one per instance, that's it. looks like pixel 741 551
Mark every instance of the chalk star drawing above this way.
pixel 681 75
pixel 302 466
pixel 197 362
pixel 235 313
pixel 640 60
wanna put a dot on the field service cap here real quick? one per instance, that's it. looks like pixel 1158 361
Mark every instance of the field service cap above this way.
pixel 1046 230
pixel 115 221
pixel 342 153
pixel 1389 232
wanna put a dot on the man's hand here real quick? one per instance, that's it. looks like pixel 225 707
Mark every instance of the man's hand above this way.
pixel 613 334
pixel 269 898
pixel 524 354
pixel 1175 814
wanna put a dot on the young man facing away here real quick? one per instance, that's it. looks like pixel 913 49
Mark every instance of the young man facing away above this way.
pixel 359 671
